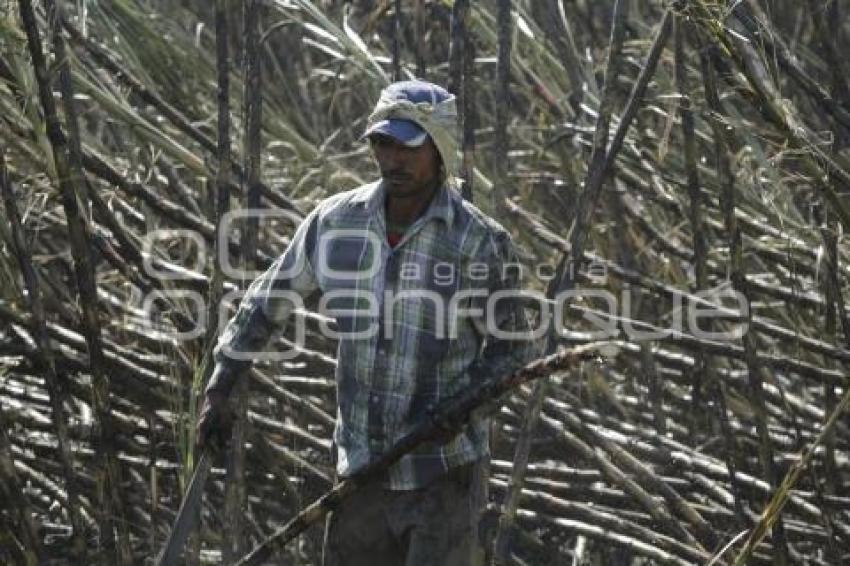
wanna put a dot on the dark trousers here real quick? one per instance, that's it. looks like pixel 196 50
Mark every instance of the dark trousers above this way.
pixel 436 525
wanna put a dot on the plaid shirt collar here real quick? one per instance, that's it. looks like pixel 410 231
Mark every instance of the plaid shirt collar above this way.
pixel 442 205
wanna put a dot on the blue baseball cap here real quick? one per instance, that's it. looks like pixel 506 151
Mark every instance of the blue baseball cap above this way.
pixel 407 132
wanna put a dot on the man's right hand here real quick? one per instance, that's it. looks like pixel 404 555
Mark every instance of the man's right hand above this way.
pixel 215 422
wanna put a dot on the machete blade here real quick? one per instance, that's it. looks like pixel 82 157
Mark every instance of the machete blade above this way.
pixel 188 515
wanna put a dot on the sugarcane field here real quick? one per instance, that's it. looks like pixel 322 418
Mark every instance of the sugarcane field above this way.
pixel 425 282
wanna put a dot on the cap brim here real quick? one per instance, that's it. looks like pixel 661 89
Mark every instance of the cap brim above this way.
pixel 404 131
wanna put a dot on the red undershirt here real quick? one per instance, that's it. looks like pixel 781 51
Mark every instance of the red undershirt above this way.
pixel 394 238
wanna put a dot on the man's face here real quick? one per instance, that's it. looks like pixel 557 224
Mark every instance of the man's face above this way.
pixel 406 171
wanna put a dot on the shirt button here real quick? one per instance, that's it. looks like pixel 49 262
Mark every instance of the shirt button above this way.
pixel 374 398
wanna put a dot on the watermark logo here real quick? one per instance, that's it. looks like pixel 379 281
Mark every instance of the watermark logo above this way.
pixel 352 267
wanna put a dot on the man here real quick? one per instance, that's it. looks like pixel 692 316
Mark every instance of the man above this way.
pixel 406 267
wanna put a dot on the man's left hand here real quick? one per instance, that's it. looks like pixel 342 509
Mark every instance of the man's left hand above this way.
pixel 215 421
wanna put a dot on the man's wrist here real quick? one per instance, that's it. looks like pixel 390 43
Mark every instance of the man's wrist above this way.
pixel 221 381
pixel 215 396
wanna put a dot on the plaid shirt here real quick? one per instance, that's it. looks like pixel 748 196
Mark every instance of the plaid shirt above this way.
pixel 401 350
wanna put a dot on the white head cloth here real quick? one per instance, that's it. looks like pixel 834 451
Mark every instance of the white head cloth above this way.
pixel 439 119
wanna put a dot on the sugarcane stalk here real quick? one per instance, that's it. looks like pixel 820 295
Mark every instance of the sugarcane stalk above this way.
pixel 111 512
pixel 461 82
pixel 666 290
pixel 592 514
pixel 469 113
pixel 776 49
pixel 501 184
pixel 419 35
pixel 396 49
pixel 560 33
pixel 833 290
pixel 647 479
pixel 700 247
pixel 236 498
pixel 104 59
pixel 521 454
pixel 657 510
pixel 565 279
pixel 55 387
pixel 457 46
pixel 447 418
pixel 608 538
pixel 766 452
pixel 772 513
pixel 818 165
pixel 13 495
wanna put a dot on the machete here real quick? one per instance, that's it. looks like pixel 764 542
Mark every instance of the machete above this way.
pixel 188 515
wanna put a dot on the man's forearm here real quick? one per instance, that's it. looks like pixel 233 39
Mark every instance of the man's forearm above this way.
pixel 225 375
pixel 249 331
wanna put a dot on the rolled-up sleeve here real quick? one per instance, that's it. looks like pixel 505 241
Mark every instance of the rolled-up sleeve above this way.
pixel 266 307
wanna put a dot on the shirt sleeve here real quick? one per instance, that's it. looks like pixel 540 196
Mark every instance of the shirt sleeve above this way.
pixel 266 307
pixel 509 343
